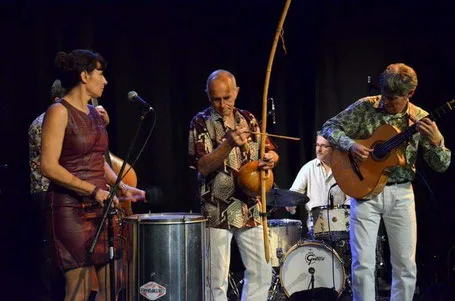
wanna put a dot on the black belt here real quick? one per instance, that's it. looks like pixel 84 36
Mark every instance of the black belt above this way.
pixel 396 183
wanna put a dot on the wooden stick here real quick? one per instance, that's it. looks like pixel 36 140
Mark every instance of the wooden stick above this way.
pixel 268 72
pixel 276 136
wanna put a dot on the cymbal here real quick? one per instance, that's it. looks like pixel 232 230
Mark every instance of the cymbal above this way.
pixel 277 197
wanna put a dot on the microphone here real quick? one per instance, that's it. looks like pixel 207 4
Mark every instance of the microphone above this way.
pixel 330 195
pixel 134 97
pixel 371 85
pixel 272 112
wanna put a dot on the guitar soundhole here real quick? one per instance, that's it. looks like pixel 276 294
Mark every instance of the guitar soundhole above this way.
pixel 380 152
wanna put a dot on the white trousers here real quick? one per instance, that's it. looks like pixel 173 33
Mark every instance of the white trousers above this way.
pixel 396 206
pixel 258 273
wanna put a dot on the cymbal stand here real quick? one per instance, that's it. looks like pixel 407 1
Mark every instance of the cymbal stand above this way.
pixel 311 271
pixel 235 290
pixel 275 288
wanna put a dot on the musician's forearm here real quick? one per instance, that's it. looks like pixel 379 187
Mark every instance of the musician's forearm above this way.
pixel 63 177
pixel 111 176
pixel 211 162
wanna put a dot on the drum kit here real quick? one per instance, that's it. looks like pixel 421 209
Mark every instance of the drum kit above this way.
pixel 304 265
pixel 322 262
pixel 299 265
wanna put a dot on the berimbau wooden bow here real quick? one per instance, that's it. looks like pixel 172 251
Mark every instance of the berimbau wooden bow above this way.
pixel 278 32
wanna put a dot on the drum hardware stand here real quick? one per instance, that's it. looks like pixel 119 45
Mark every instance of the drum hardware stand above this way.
pixel 311 271
pixel 381 284
pixel 275 288
pixel 279 254
pixel 109 213
pixel 234 287
pixel 273 291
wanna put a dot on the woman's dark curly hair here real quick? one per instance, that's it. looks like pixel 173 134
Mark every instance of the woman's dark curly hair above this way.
pixel 71 65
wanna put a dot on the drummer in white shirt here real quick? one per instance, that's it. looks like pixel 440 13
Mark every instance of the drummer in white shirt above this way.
pixel 315 179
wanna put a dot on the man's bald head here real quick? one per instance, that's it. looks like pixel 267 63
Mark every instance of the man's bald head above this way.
pixel 222 75
pixel 222 92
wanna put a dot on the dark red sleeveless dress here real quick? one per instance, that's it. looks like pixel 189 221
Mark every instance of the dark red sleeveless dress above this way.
pixel 73 218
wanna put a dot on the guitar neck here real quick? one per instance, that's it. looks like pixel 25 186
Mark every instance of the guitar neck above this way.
pixel 405 135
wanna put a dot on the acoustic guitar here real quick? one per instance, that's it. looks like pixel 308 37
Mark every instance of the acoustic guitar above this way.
pixel 367 179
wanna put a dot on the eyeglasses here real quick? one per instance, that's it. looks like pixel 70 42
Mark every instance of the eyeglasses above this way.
pixel 323 146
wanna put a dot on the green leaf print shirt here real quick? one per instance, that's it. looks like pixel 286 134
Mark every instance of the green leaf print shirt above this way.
pixel 363 117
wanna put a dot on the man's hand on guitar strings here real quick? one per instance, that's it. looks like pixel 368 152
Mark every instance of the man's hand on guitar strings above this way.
pixel 360 152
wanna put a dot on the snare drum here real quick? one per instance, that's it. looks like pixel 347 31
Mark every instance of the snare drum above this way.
pixel 283 234
pixel 331 222
pixel 311 256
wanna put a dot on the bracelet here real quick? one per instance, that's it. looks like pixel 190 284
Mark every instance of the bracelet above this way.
pixel 93 193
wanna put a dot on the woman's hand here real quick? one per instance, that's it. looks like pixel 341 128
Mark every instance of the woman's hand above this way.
pixel 101 195
pixel 132 193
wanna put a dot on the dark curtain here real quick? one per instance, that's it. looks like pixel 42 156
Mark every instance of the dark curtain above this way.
pixel 165 50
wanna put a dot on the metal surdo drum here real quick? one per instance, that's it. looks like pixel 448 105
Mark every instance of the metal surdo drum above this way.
pixel 164 256
pixel 283 234
pixel 307 258
pixel 331 222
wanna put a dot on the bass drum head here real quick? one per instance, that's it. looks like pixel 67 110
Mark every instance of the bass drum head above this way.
pixel 307 257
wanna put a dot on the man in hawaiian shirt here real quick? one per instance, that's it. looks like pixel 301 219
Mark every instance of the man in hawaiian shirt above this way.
pixel 220 143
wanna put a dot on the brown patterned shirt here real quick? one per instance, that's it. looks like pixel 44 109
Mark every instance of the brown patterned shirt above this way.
pixel 223 203
pixel 38 183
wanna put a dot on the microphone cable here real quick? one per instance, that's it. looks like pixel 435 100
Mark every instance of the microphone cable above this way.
pixel 145 142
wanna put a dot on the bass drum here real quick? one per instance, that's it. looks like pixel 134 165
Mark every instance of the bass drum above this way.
pixel 311 257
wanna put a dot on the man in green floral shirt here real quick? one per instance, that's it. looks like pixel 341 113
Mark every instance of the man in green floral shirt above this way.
pixel 395 204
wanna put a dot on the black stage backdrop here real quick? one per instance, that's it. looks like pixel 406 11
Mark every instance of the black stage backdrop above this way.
pixel 165 50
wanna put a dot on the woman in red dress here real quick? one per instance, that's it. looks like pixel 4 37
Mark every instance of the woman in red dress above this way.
pixel 74 141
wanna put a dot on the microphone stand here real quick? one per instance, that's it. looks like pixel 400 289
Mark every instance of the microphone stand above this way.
pixel 311 271
pixel 332 242
pixel 109 213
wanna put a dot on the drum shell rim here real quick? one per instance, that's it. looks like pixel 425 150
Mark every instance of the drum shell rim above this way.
pixel 331 207
pixel 165 218
pixel 286 222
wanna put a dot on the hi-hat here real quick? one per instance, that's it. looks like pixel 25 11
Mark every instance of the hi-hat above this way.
pixel 277 197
